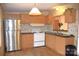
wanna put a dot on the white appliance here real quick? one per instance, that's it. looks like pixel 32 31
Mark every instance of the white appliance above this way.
pixel 12 34
pixel 39 39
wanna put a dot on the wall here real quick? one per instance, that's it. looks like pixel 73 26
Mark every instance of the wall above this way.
pixel 1 33
pixel 0 26
pixel 73 29
pixel 77 34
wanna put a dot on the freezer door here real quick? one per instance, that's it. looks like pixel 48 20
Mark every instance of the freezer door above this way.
pixel 9 41
pixel 12 40
pixel 12 24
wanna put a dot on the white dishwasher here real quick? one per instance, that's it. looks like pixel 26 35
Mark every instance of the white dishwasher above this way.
pixel 39 39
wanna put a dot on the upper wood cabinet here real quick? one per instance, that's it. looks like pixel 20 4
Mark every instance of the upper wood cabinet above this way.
pixel 25 18
pixel 12 16
pixel 33 19
pixel 70 15
pixel 55 23
pixel 50 18
pixel 58 22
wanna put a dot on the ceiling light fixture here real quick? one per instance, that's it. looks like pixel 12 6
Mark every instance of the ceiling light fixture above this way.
pixel 60 9
pixel 35 11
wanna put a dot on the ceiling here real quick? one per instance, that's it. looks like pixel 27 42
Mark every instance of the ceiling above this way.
pixel 23 7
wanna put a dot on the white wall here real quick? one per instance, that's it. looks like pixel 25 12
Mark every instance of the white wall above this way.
pixel 0 27
pixel 73 29
pixel 77 32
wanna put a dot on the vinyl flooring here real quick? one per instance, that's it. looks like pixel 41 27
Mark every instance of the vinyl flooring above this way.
pixel 39 51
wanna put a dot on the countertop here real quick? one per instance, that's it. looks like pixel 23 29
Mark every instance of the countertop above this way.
pixel 51 33
pixel 60 34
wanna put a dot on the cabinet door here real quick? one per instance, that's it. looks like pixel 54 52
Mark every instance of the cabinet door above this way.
pixel 50 41
pixel 60 45
pixel 70 41
pixel 33 19
pixel 55 23
pixel 50 18
pixel 70 15
pixel 37 19
pixel 27 41
pixel 25 18
pixel 12 16
pixel 47 40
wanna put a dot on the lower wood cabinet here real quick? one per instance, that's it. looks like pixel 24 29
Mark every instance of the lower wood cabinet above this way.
pixel 27 40
pixel 58 43
pixel 70 41
pixel 50 41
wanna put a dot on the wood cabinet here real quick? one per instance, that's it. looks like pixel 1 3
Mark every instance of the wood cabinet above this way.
pixel 70 15
pixel 55 23
pixel 58 22
pixel 70 41
pixel 12 16
pixel 25 18
pixel 50 18
pixel 55 43
pixel 27 40
pixel 33 19
pixel 50 41
pixel 58 43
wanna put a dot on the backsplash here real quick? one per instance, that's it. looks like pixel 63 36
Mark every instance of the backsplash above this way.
pixel 25 28
pixel 72 28
pixel 29 28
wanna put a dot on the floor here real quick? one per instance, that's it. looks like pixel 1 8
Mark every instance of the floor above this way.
pixel 40 51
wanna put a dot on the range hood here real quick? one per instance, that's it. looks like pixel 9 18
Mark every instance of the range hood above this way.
pixel 33 24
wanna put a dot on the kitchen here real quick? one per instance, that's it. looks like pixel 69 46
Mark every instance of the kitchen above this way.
pixel 46 34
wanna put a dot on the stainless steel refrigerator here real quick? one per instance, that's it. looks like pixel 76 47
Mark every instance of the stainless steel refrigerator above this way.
pixel 12 34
